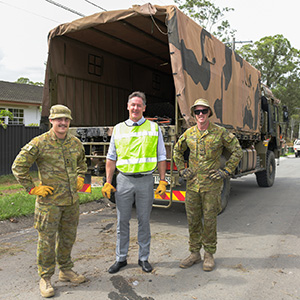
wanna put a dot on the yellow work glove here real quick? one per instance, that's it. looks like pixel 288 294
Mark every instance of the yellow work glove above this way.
pixel 42 190
pixel 107 190
pixel 80 183
pixel 161 189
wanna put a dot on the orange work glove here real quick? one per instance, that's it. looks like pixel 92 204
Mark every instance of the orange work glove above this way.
pixel 42 190
pixel 162 187
pixel 107 190
pixel 80 183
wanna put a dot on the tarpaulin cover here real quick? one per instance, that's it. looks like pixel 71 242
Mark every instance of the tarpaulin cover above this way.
pixel 164 39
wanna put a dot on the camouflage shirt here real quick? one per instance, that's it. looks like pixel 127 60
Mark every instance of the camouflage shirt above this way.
pixel 205 153
pixel 59 163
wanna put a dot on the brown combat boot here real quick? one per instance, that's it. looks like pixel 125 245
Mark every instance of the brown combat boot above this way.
pixel 208 263
pixel 70 275
pixel 46 288
pixel 193 258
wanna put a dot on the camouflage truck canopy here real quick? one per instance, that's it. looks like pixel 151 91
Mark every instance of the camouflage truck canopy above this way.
pixel 95 62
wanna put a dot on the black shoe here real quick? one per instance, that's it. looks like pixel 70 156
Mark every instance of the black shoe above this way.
pixel 146 267
pixel 117 266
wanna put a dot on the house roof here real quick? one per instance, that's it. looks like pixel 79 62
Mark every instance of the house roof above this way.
pixel 20 93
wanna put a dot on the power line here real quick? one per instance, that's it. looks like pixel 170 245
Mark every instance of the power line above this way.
pixel 66 8
pixel 90 2
pixel 30 12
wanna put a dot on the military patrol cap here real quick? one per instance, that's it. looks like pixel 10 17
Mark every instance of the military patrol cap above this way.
pixel 202 102
pixel 60 111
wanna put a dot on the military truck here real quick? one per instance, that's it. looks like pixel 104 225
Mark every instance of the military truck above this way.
pixel 95 62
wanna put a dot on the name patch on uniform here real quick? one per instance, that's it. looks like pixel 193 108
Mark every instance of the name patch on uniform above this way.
pixel 28 147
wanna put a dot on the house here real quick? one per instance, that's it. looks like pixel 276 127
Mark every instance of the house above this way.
pixel 23 100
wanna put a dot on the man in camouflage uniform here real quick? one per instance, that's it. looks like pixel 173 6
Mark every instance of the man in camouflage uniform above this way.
pixel 61 162
pixel 206 142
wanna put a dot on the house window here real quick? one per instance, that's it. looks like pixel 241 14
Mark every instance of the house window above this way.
pixel 18 116
pixel 17 113
pixel 95 65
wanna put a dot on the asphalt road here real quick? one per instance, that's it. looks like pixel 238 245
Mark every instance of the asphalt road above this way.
pixel 257 256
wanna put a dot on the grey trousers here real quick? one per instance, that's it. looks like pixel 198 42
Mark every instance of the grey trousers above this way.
pixel 132 189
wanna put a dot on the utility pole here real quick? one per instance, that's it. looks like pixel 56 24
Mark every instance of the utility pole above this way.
pixel 292 129
pixel 234 42
pixel 299 124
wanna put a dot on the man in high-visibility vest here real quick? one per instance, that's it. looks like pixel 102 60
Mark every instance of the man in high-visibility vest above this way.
pixel 136 150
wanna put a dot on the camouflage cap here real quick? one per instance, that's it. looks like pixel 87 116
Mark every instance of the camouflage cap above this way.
pixel 60 111
pixel 202 102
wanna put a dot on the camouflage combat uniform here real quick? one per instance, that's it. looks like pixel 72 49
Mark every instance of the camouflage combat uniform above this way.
pixel 203 196
pixel 56 216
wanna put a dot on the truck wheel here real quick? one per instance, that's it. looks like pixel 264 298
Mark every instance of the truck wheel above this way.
pixel 225 193
pixel 266 178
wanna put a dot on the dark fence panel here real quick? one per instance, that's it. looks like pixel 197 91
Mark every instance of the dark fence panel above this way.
pixel 12 139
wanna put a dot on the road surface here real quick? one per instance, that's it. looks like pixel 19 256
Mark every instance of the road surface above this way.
pixel 257 256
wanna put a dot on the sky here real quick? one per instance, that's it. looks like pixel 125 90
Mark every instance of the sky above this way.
pixel 26 24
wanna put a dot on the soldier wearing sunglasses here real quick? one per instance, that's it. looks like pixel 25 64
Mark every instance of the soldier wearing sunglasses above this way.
pixel 204 175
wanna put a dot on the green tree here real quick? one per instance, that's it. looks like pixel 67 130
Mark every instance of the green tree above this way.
pixel 279 64
pixel 288 91
pixel 209 16
pixel 28 81
pixel 5 113
pixel 274 57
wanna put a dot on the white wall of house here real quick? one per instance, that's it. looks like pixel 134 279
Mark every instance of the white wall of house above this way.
pixel 32 115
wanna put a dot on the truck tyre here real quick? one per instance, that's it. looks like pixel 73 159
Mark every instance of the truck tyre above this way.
pixel 266 178
pixel 225 193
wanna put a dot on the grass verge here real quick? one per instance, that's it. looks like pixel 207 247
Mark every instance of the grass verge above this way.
pixel 22 204
pixel 10 179
pixel 19 203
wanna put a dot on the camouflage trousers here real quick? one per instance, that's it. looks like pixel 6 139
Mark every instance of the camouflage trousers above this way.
pixel 57 228
pixel 202 209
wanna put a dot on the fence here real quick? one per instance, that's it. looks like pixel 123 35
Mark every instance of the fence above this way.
pixel 12 139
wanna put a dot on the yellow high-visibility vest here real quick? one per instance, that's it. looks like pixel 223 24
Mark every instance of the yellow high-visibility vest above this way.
pixel 136 147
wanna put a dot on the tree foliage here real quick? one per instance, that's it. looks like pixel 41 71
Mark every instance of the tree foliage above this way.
pixel 28 81
pixel 5 113
pixel 274 57
pixel 209 16
pixel 279 64
pixel 288 91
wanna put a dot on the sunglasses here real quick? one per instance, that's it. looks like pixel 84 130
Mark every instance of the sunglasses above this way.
pixel 203 111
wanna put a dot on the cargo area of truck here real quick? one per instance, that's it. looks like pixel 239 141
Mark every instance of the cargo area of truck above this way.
pixel 93 70
pixel 95 62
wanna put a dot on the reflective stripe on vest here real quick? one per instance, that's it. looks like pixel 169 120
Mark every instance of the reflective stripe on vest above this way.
pixel 136 147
